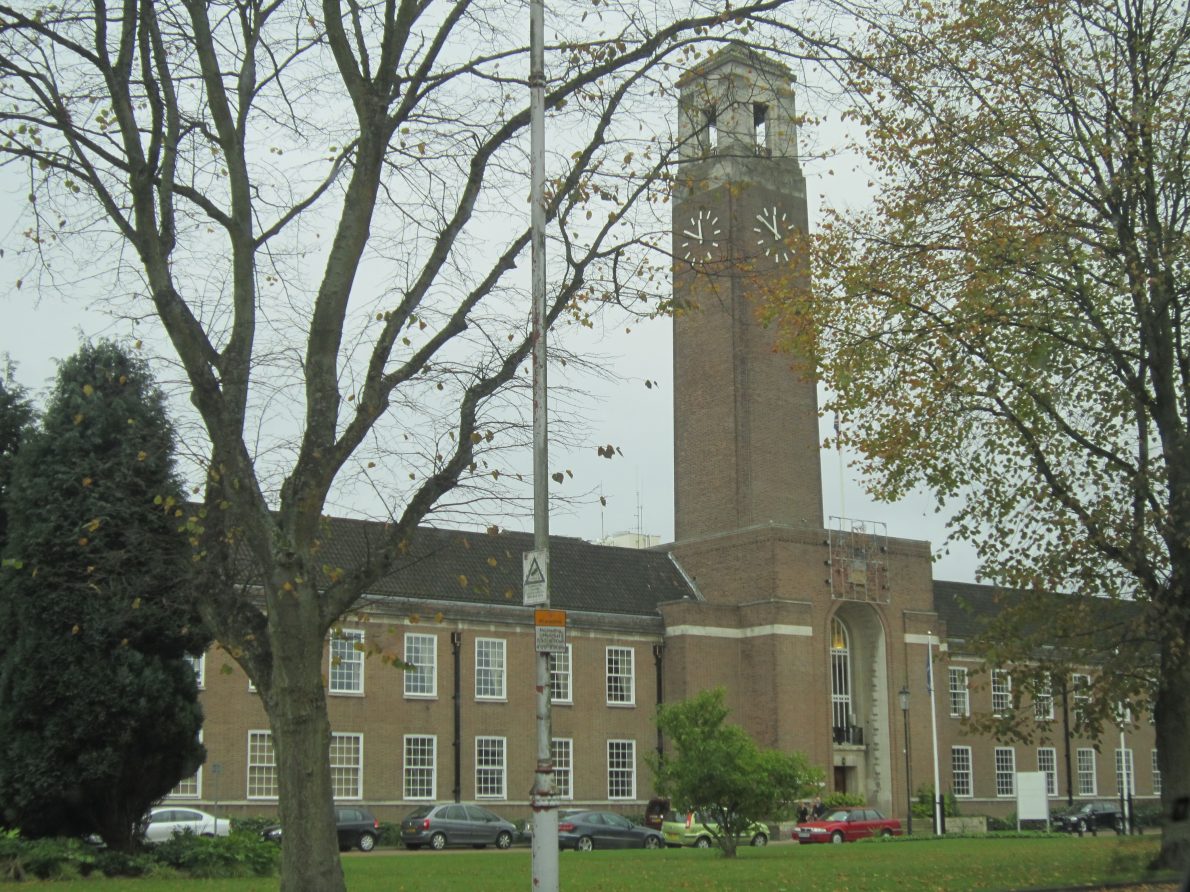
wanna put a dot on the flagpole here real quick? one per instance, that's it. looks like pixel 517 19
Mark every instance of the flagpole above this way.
pixel 934 729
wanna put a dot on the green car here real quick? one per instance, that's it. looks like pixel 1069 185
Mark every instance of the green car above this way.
pixel 701 831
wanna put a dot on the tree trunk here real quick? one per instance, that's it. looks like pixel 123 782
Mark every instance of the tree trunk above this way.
pixel 296 703
pixel 1173 755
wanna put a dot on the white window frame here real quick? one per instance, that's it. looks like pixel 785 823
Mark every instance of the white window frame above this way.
pixel 261 779
pixel 421 653
pixel 1130 768
pixel 840 674
pixel 960 697
pixel 961 775
pixel 491 667
pixel 1005 765
pixel 347 766
pixel 419 769
pixel 491 767
pixel 618 682
pixel 191 787
pixel 1080 685
pixel 1001 692
pixel 621 770
pixel 1047 762
pixel 562 750
pixel 345 654
pixel 199 665
pixel 1156 775
pixel 1043 703
pixel 1088 784
pixel 561 676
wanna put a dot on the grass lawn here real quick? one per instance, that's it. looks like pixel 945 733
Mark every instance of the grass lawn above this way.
pixel 955 865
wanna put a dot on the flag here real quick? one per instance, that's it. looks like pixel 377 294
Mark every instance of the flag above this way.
pixel 929 671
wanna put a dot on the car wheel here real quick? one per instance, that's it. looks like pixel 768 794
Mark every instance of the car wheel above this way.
pixel 702 843
pixel 1080 827
pixel 837 837
pixel 503 839
pixel 584 844
pixel 652 842
pixel 438 841
pixel 760 840
pixel 367 842
pixel 886 833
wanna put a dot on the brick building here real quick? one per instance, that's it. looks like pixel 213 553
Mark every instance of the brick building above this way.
pixel 814 628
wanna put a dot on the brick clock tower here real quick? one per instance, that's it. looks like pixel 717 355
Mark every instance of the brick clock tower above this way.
pixel 746 425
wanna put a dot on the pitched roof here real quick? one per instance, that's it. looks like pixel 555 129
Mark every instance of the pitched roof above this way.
pixel 485 568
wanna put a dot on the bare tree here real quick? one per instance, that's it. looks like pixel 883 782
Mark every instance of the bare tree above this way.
pixel 322 206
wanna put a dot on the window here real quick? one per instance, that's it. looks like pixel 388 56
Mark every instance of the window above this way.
pixel 191 787
pixel 420 759
pixel 1043 703
pixel 560 677
pixel 1086 771
pixel 563 752
pixel 960 771
pixel 1047 761
pixel 1005 771
pixel 960 700
pixel 621 769
pixel 199 665
pixel 621 685
pixel 1125 778
pixel 1081 684
pixel 840 675
pixel 1001 692
pixel 489 669
pixel 1156 776
pixel 347 661
pixel 262 766
pixel 489 767
pixel 347 766
pixel 759 116
pixel 421 676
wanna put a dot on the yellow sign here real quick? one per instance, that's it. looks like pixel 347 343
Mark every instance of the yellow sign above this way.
pixel 549 617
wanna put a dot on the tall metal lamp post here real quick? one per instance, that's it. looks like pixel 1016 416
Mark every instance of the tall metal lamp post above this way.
pixel 903 696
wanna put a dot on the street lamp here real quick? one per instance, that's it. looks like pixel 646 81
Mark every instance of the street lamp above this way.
pixel 903 696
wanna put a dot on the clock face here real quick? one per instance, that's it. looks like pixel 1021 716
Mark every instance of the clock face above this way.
pixel 772 228
pixel 699 238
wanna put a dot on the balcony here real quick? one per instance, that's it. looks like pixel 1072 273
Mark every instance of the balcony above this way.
pixel 849 735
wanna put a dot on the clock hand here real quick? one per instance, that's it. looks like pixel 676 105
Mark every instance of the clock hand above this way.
pixel 700 229
pixel 692 235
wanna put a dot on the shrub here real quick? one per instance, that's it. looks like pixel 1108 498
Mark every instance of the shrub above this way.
pixel 122 864
pixel 923 803
pixel 390 834
pixel 253 825
pixel 45 859
pixel 219 857
pixel 842 800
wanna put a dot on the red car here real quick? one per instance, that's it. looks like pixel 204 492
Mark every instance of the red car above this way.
pixel 847 825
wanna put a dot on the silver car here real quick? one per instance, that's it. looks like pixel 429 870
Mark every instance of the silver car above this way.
pixel 455 824
pixel 167 820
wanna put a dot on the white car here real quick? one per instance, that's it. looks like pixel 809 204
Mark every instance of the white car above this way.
pixel 166 820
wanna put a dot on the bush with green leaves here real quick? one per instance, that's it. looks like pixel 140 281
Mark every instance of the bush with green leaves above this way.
pixel 219 857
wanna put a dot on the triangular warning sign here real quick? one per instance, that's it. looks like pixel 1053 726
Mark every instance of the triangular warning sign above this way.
pixel 533 574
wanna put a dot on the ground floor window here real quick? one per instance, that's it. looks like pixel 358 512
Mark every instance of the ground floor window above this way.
pixel 1086 772
pixel 960 771
pixel 262 766
pixel 1125 778
pixel 563 753
pixel 621 769
pixel 1156 776
pixel 1047 761
pixel 1005 771
pixel 489 768
pixel 420 760
pixel 347 766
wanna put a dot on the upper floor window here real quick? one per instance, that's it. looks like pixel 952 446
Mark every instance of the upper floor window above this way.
pixel 1001 692
pixel 489 669
pixel 560 677
pixel 621 676
pixel 1043 703
pixel 840 675
pixel 1080 684
pixel 347 661
pixel 960 698
pixel 421 673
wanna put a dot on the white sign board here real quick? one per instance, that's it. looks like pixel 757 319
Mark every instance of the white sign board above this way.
pixel 1032 800
pixel 536 577
pixel 551 639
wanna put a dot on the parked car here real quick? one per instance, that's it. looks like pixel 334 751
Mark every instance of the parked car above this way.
pixel 357 828
pixel 1093 816
pixel 693 828
pixel 455 824
pixel 167 820
pixel 847 825
pixel 587 830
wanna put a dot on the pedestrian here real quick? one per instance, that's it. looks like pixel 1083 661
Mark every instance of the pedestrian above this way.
pixel 803 813
pixel 819 808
